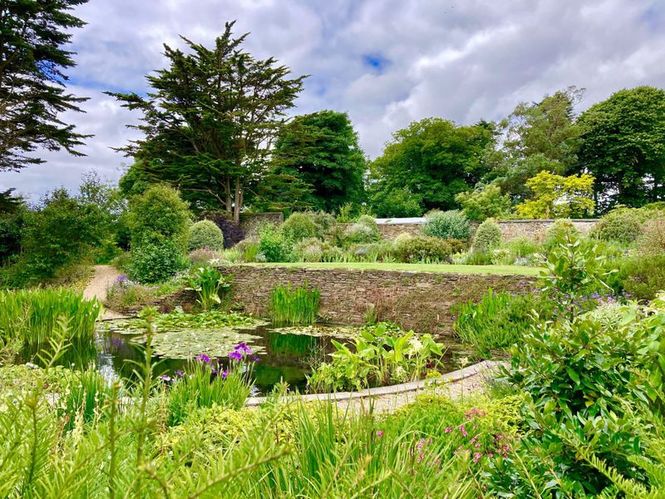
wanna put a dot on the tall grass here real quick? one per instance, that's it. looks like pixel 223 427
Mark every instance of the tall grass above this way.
pixel 34 318
pixel 294 307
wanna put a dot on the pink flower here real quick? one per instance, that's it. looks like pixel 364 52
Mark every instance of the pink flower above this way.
pixel 476 457
pixel 448 429
pixel 379 433
pixel 463 431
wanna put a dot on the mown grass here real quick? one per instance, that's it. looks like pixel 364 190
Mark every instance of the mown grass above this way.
pixel 413 267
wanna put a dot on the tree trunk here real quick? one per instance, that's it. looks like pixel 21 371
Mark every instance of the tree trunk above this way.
pixel 238 202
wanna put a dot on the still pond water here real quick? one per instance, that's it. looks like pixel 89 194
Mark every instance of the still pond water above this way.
pixel 284 354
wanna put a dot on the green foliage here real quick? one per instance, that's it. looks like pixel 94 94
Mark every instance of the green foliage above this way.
pixel 273 246
pixel 205 235
pixel 447 225
pixel 652 240
pixel 203 257
pixel 555 196
pixel 36 45
pixel 11 229
pixel 206 386
pixel 643 277
pixel 158 215
pixel 292 307
pixel 321 150
pixel 499 320
pixel 560 232
pixel 623 146
pixel 484 202
pixel 156 262
pixel 209 284
pixel 487 236
pixel 381 354
pixel 300 226
pixel 398 202
pixel 574 271
pixel 423 249
pixel 622 225
pixel 433 160
pixel 214 143
pixel 364 230
pixel 308 250
pixel 49 321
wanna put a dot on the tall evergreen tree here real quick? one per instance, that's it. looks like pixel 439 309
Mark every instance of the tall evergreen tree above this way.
pixel 321 149
pixel 209 120
pixel 32 80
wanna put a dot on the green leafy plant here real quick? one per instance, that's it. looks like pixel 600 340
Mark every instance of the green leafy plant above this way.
pixel 623 225
pixel 487 236
pixel 299 226
pixel 381 354
pixel 205 234
pixel 422 249
pixel 447 225
pixel 156 262
pixel 273 246
pixel 298 306
pixel 209 284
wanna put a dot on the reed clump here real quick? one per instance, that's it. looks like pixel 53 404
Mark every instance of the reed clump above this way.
pixel 294 306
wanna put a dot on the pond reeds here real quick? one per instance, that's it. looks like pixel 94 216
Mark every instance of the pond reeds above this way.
pixel 33 319
pixel 294 306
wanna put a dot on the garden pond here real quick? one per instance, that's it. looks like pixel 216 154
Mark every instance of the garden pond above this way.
pixel 282 353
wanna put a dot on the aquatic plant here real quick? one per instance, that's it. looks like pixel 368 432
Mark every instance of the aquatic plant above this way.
pixel 291 307
pixel 209 284
pixel 34 318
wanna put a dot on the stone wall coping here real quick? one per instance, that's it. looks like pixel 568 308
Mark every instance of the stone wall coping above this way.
pixel 547 220
pixel 451 377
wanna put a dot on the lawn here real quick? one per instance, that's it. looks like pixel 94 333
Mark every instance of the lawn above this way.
pixel 414 267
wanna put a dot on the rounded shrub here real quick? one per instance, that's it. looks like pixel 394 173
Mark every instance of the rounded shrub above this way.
pixel 642 278
pixel 273 246
pixel 652 240
pixel 300 226
pixel 423 249
pixel 155 262
pixel 158 214
pixel 487 236
pixel 447 225
pixel 622 225
pixel 205 235
pixel 559 233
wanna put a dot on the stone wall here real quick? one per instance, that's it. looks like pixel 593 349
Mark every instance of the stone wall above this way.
pixel 421 301
pixel 536 229
pixel 510 229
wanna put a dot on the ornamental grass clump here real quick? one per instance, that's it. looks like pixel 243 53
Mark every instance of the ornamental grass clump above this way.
pixel 33 318
pixel 294 307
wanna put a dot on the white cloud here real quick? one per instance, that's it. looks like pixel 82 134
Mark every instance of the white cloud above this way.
pixel 460 60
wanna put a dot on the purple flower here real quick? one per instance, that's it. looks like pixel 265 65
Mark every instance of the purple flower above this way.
pixel 165 378
pixel 225 374
pixel 244 348
pixel 122 279
pixel 203 358
pixel 180 373
pixel 255 358
pixel 235 355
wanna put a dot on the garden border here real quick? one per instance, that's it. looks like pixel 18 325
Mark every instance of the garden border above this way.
pixel 449 379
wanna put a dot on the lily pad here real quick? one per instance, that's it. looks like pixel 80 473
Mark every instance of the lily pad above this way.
pixel 319 331
pixel 189 344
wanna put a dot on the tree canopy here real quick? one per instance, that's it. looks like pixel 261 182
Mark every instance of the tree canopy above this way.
pixel 32 80
pixel 321 149
pixel 433 159
pixel 210 119
pixel 623 146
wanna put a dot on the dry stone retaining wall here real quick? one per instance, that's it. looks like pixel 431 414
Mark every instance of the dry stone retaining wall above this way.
pixel 421 301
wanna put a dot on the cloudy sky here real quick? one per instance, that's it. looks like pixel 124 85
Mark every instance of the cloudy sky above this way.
pixel 385 62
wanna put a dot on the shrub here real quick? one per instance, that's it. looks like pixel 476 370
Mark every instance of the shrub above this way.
pixel 372 252
pixel 498 321
pixel 365 230
pixel 560 232
pixel 273 246
pixel 205 235
pixel 300 226
pixel 156 262
pixel 308 250
pixel 248 250
pixel 652 240
pixel 231 231
pixel 447 225
pixel 522 247
pixel 487 236
pixel 423 249
pixel 157 215
pixel 622 225
pixel 209 284
pixel 298 306
pixel 203 256
pixel 484 203
pixel 642 278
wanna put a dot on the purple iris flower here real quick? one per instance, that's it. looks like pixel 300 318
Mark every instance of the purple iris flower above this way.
pixel 244 348
pixel 122 279
pixel 180 373
pixel 235 355
pixel 165 378
pixel 225 374
pixel 203 358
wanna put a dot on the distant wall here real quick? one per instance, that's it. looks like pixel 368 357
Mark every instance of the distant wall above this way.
pixel 510 229
pixel 421 301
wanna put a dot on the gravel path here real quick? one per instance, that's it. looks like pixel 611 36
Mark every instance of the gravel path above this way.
pixel 103 278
